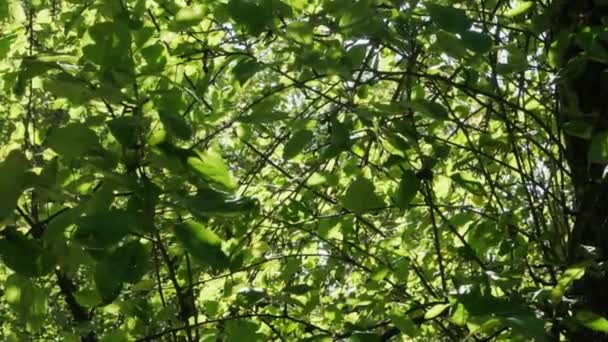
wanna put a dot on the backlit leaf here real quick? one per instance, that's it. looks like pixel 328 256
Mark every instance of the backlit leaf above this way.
pixel 297 143
pixel 187 17
pixel 361 196
pixel 203 244
pixel 598 150
pixel 408 187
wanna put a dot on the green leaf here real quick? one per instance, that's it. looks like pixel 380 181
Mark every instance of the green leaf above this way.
pixel 176 125
pixel 436 310
pixel 239 330
pixel 12 183
pixel 130 261
pixel 431 109
pixel 598 150
pixel 260 116
pixel 212 168
pixel 110 50
pixel 521 8
pixel 578 128
pixel 340 137
pixel 125 129
pixel 449 18
pixel 4 12
pixel 203 244
pixel 116 336
pixel 245 69
pixel 591 320
pixel 187 17
pixel 265 111
pixel 476 41
pixel 496 311
pixel 101 230
pixel 73 140
pixel 407 190
pixel 567 279
pixel 460 315
pixel 300 31
pixel 299 289
pixel 405 324
pixel 249 296
pixel 27 300
pixel 5 43
pixel 211 203
pixel 24 255
pixel 468 182
pixel 296 144
pixel 252 15
pixel 450 44
pixel 74 89
pixel 108 283
pixel 361 196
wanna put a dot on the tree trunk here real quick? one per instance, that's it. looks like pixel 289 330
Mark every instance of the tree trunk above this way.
pixel 583 96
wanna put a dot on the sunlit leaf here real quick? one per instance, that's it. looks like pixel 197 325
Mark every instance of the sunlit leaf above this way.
pixel 361 196
pixel 521 8
pixel 211 167
pixel 408 187
pixel 187 17
pixel 592 321
pixel 297 143
pixel 566 279
pixel 598 150
pixel 203 244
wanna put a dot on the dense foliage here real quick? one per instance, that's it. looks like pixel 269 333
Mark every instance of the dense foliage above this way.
pixel 241 170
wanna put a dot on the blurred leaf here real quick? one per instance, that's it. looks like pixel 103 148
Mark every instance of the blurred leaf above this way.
pixel 27 300
pixel 521 8
pixel 449 18
pixel 24 255
pixel 468 182
pixel 176 125
pixel 298 141
pixel 476 41
pixel 245 69
pixel 12 182
pixel 108 283
pixel 361 196
pixel 436 310
pixel 101 230
pixel 73 140
pixel 405 325
pixel 209 202
pixel 212 168
pixel 592 321
pixel 579 129
pixel 187 17
pixel 566 279
pixel 299 289
pixel 74 89
pixel 125 129
pixel 431 109
pixel 407 190
pixel 598 150
pixel 300 31
pixel 203 244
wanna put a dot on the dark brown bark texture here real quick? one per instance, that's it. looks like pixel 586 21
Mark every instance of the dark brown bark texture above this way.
pixel 583 96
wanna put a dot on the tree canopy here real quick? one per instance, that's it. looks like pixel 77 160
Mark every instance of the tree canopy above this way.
pixel 303 170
